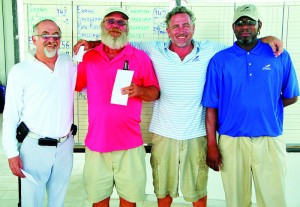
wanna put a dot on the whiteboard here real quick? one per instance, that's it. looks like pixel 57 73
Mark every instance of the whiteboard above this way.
pixel 81 19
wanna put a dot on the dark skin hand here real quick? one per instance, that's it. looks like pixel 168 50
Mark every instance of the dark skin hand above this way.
pixel 213 157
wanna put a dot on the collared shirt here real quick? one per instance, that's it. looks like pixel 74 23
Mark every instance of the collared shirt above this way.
pixel 113 127
pixel 247 88
pixel 178 113
pixel 41 98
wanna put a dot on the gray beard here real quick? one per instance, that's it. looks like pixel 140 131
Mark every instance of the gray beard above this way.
pixel 114 43
pixel 243 42
pixel 50 54
pixel 246 42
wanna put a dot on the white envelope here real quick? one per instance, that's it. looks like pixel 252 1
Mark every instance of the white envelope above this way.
pixel 29 177
pixel 123 79
pixel 79 55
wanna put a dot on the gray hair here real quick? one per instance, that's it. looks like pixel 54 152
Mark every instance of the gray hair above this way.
pixel 180 10
pixel 44 20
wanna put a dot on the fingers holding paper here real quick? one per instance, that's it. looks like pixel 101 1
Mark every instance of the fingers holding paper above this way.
pixel 15 164
pixel 132 90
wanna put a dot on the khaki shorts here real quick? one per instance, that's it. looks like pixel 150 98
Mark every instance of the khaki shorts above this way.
pixel 171 158
pixel 262 160
pixel 126 170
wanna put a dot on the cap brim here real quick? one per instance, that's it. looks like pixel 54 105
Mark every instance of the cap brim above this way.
pixel 246 15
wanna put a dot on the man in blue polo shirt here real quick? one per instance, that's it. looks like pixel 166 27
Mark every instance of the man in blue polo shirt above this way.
pixel 245 92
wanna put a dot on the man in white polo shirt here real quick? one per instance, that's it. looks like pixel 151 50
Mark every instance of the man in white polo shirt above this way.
pixel 39 95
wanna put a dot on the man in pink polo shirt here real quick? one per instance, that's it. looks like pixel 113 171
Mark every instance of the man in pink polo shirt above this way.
pixel 115 155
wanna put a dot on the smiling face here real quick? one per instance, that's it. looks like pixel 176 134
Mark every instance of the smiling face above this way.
pixel 181 30
pixel 114 31
pixel 47 46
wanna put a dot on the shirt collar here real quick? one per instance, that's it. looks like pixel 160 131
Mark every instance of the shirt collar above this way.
pixel 191 56
pixel 128 50
pixel 29 55
pixel 167 45
pixel 255 51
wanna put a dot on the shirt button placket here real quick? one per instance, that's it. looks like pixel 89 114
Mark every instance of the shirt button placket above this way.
pixel 249 66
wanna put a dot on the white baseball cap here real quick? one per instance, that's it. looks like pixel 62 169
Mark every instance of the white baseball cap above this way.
pixel 247 10
pixel 116 9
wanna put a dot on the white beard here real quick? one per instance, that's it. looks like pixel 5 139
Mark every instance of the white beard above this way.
pixel 51 53
pixel 114 43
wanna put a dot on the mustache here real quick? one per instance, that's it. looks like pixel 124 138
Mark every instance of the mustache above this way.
pixel 115 30
pixel 50 43
pixel 184 34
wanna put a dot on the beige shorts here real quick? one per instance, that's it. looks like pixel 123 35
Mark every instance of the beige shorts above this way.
pixel 126 170
pixel 171 158
pixel 262 160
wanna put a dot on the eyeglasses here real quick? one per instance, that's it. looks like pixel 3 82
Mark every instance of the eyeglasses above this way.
pixel 248 22
pixel 121 23
pixel 48 36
